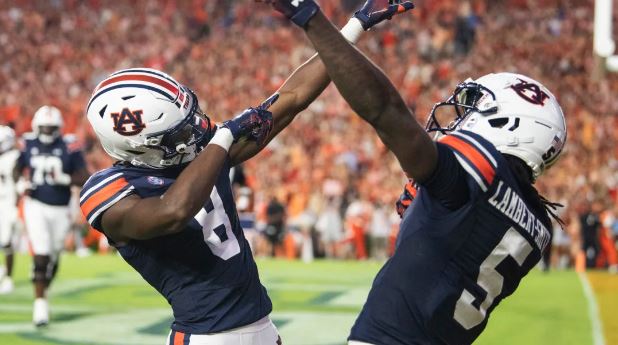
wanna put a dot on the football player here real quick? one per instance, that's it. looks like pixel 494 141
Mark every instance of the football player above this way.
pixel 477 225
pixel 8 202
pixel 167 203
pixel 53 164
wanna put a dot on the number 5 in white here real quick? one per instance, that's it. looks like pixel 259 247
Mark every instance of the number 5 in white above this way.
pixel 512 244
pixel 224 245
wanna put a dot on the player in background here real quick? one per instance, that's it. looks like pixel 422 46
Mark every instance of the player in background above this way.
pixel 8 205
pixel 167 203
pixel 477 225
pixel 51 163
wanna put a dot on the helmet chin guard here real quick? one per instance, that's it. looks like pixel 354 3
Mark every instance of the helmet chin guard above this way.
pixel 515 113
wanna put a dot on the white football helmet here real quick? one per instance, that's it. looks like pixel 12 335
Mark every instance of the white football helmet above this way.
pixel 7 139
pixel 517 114
pixel 47 124
pixel 146 118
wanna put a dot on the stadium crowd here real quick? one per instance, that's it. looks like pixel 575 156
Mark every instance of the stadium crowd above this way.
pixel 327 175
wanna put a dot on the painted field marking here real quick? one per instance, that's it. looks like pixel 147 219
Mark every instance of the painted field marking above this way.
pixel 593 310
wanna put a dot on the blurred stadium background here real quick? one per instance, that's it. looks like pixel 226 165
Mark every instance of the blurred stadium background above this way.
pixel 323 192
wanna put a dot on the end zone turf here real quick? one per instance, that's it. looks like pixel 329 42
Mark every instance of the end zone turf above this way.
pixel 100 300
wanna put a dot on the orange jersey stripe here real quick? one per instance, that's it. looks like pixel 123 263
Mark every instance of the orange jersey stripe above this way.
pixel 102 195
pixel 411 189
pixel 179 338
pixel 473 155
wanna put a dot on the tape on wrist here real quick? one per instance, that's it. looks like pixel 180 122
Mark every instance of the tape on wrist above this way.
pixel 353 30
pixel 223 137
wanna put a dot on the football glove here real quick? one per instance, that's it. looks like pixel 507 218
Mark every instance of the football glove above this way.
pixel 405 200
pixel 372 14
pixel 253 124
pixel 298 11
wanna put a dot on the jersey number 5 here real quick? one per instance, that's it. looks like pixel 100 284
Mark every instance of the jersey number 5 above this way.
pixel 512 244
pixel 217 229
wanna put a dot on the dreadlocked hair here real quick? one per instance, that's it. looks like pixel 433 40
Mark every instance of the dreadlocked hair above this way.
pixel 523 174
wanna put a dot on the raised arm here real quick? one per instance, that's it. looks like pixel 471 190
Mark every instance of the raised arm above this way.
pixel 368 91
pixel 299 90
pixel 137 218
pixel 307 82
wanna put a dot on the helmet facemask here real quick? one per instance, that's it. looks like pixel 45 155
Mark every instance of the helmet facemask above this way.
pixel 47 134
pixel 447 116
pixel 179 144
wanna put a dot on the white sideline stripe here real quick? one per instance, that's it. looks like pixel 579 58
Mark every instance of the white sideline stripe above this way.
pixel 593 311
pixel 97 186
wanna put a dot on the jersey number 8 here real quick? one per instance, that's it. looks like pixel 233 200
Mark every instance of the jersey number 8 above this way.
pixel 217 229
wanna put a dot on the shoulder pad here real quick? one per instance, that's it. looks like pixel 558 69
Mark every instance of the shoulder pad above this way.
pixel 475 154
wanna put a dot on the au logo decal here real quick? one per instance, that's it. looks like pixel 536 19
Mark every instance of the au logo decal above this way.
pixel 128 122
pixel 530 92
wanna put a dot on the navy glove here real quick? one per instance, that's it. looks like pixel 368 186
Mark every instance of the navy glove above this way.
pixel 253 124
pixel 298 11
pixel 372 13
pixel 405 200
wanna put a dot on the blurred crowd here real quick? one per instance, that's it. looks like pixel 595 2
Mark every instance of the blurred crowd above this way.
pixel 327 186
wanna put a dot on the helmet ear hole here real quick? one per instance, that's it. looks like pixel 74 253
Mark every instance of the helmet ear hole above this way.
pixel 499 122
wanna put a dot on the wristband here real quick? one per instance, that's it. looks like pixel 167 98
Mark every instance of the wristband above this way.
pixel 223 137
pixel 353 30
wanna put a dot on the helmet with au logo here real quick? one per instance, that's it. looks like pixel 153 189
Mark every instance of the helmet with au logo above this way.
pixel 515 113
pixel 145 117
pixel 47 124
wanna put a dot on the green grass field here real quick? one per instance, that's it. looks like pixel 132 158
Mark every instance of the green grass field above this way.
pixel 100 300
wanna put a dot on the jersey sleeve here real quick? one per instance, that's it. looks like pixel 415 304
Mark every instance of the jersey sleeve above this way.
pixel 102 191
pixel 476 156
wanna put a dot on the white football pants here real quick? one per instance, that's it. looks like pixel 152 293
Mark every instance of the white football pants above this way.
pixel 47 226
pixel 8 223
pixel 262 332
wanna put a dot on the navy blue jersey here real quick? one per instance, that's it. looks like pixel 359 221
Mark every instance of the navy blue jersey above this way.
pixel 206 272
pixel 458 256
pixel 51 167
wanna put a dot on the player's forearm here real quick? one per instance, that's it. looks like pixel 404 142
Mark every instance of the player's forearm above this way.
pixel 364 86
pixel 192 189
pixel 373 97
pixel 302 87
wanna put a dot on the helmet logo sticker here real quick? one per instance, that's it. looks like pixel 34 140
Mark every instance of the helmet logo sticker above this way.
pixel 128 122
pixel 530 92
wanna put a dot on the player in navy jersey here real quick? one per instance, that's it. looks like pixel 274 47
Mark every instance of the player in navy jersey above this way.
pixel 477 225
pixel 53 164
pixel 167 204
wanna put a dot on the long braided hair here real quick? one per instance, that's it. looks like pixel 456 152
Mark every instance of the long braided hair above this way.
pixel 523 174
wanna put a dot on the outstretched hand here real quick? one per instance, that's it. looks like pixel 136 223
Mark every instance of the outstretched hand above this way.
pixel 373 13
pixel 253 124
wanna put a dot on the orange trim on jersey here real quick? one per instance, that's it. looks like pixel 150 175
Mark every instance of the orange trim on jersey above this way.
pixel 102 195
pixel 179 338
pixel 473 155
pixel 411 189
